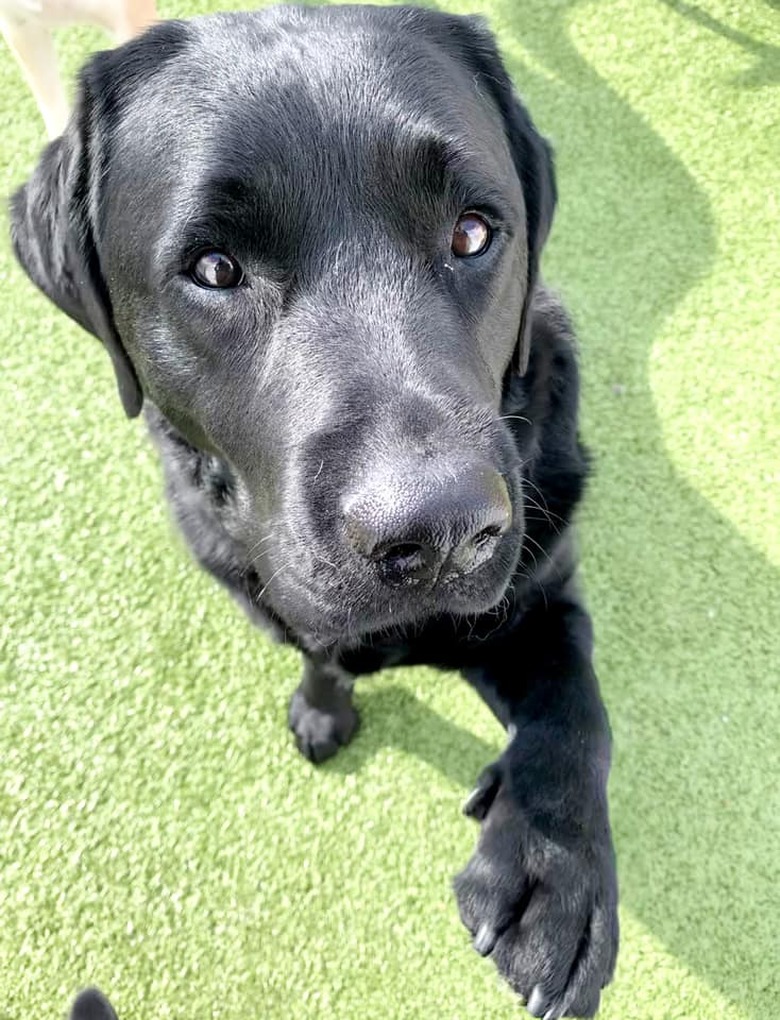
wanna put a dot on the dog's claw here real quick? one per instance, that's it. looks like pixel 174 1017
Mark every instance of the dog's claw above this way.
pixel 485 939
pixel 481 798
pixel 536 1004
pixel 473 805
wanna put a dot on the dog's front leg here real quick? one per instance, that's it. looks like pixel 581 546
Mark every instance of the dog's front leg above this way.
pixel 540 892
pixel 321 713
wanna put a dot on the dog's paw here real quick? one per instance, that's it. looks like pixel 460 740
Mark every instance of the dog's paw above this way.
pixel 319 733
pixel 546 914
pixel 91 1004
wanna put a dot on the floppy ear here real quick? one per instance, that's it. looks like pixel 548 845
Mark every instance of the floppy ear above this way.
pixel 533 159
pixel 53 234
pixel 91 1004
pixel 531 153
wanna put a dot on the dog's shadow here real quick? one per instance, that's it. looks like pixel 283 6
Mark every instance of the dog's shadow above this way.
pixel 391 716
pixel 765 72
pixel 692 789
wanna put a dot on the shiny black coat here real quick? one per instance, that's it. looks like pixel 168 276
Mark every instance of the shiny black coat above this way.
pixel 369 439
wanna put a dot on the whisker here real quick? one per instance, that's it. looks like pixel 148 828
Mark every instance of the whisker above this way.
pixel 275 574
pixel 541 548
pixel 545 515
pixel 349 622
pixel 555 566
pixel 548 514
pixel 257 545
pixel 514 417
pixel 547 510
pixel 532 554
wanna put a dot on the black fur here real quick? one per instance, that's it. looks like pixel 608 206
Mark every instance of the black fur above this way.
pixel 361 365
pixel 91 1004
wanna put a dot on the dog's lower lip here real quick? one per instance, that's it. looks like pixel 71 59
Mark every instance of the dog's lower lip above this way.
pixel 331 612
pixel 352 624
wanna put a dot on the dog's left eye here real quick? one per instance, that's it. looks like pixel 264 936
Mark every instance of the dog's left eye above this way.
pixel 217 269
pixel 471 236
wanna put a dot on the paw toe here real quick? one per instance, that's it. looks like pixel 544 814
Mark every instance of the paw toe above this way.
pixel 320 733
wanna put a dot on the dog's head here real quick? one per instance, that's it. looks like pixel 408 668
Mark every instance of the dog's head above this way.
pixel 311 238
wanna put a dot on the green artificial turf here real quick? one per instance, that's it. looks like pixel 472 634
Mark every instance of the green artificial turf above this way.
pixel 159 834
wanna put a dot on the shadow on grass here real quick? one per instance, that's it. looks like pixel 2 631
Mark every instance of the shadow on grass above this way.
pixel 765 71
pixel 394 717
pixel 691 805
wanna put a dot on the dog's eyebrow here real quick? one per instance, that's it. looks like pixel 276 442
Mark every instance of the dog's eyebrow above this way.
pixel 213 213
pixel 454 167
pixel 444 170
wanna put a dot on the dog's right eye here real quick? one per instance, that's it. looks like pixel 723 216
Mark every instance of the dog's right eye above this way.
pixel 216 270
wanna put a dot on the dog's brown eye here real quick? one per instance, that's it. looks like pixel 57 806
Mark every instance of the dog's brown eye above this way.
pixel 217 269
pixel 471 235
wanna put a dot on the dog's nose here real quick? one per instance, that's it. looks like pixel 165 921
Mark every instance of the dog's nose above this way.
pixel 420 526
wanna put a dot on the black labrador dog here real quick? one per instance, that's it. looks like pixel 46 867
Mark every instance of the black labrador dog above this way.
pixel 310 240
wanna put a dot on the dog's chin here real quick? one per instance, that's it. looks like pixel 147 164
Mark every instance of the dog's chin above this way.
pixel 349 618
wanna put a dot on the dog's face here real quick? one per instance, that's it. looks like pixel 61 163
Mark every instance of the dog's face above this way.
pixel 310 238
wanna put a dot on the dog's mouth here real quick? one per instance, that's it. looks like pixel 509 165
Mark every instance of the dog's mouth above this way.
pixel 385 538
pixel 347 603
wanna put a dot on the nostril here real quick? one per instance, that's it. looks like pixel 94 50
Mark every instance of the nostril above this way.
pixel 478 548
pixel 405 563
pixel 408 552
pixel 486 535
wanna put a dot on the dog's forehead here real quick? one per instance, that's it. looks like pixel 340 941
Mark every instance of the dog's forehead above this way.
pixel 342 60
pixel 299 120
pixel 263 87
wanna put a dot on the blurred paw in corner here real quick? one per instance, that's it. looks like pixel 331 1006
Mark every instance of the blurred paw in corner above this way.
pixel 27 26
pixel 91 1004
